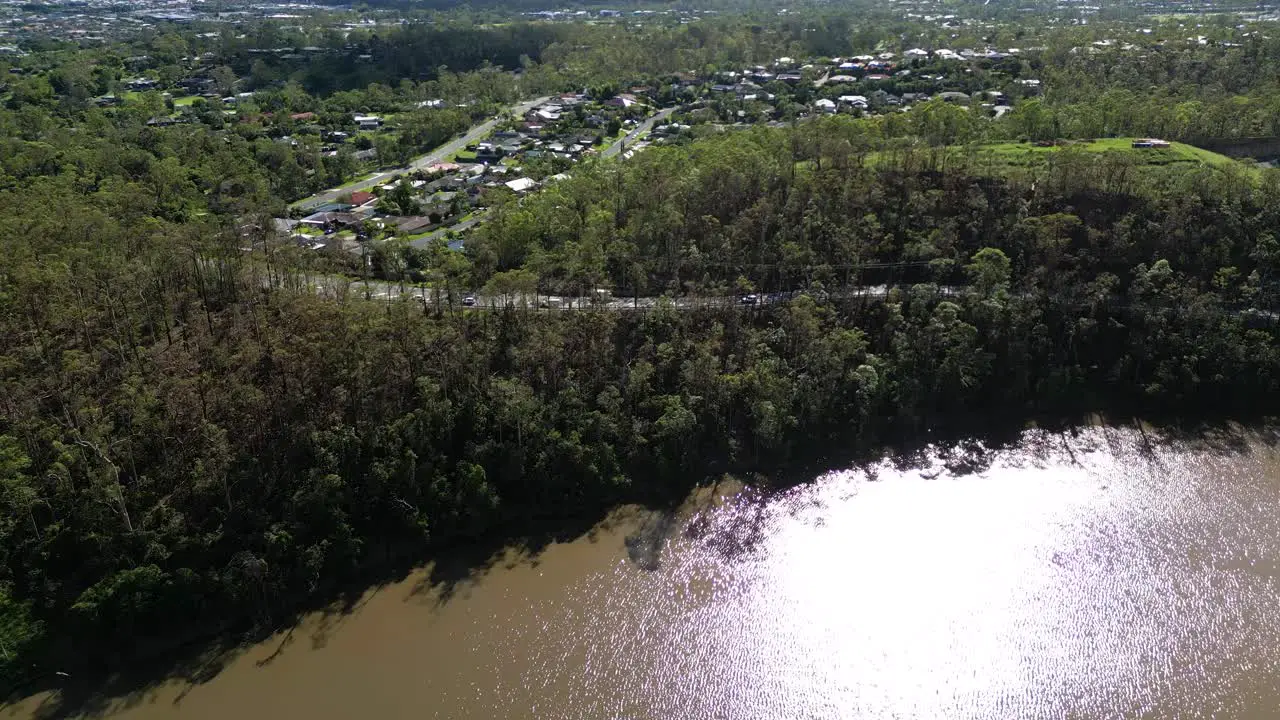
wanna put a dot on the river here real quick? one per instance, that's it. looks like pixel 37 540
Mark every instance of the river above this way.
pixel 1098 573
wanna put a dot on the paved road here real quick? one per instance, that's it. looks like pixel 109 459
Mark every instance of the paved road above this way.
pixel 440 154
pixel 479 218
pixel 385 291
pixel 456 244
pixel 641 129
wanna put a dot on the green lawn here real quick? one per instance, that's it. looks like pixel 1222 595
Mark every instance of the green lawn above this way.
pixel 1012 158
pixel 359 180
pixel 1027 154
pixel 417 236
pixel 185 100
pixel 464 156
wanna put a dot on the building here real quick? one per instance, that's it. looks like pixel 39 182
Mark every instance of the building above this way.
pixel 521 185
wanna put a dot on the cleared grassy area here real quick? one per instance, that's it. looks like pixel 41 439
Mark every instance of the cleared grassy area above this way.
pixel 418 236
pixel 1028 154
pixel 185 100
pixel 356 181
pixel 464 156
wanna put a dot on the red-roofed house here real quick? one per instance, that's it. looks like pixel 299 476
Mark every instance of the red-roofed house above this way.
pixel 361 197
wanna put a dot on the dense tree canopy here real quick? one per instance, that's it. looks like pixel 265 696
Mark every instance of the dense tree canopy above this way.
pixel 193 440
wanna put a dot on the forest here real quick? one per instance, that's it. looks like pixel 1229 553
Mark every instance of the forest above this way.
pixel 194 443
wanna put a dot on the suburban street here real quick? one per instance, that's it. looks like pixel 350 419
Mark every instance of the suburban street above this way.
pixel 634 135
pixel 440 154
pixel 610 151
pixel 426 240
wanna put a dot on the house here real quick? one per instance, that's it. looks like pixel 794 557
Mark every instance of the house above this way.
pixel 413 224
pixel 825 105
pixel 488 152
pixel 954 97
pixel 431 104
pixel 1030 86
pixel 521 185
pixel 854 101
pixel 302 116
pixel 362 197
pixel 880 97
pixel 791 78
pixel 622 101
pixel 368 122
pixel 196 85
pixel 332 221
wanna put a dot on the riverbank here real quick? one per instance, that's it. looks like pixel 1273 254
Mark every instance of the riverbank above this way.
pixel 648 527
pixel 1142 550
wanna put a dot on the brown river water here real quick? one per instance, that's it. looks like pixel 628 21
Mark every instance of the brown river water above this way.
pixel 1101 573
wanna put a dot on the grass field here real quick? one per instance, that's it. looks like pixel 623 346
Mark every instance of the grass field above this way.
pixel 186 100
pixel 1027 159
pixel 1014 155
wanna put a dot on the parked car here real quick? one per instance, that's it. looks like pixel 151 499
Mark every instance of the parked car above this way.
pixel 749 299
pixel 469 301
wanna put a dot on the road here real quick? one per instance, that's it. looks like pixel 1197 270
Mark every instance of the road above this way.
pixel 440 154
pixel 610 151
pixel 641 129
pixel 388 292
pixel 455 244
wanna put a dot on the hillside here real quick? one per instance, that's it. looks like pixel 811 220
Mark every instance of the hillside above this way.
pixel 1014 155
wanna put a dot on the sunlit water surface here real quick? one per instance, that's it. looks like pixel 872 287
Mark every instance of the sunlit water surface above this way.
pixel 1096 574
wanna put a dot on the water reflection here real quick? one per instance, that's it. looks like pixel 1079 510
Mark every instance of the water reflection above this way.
pixel 1095 573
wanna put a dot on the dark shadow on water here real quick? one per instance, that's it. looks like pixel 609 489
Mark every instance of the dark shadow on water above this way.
pixel 644 546
pixel 732 529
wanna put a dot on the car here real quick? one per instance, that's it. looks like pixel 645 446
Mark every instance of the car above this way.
pixel 469 301
pixel 748 299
